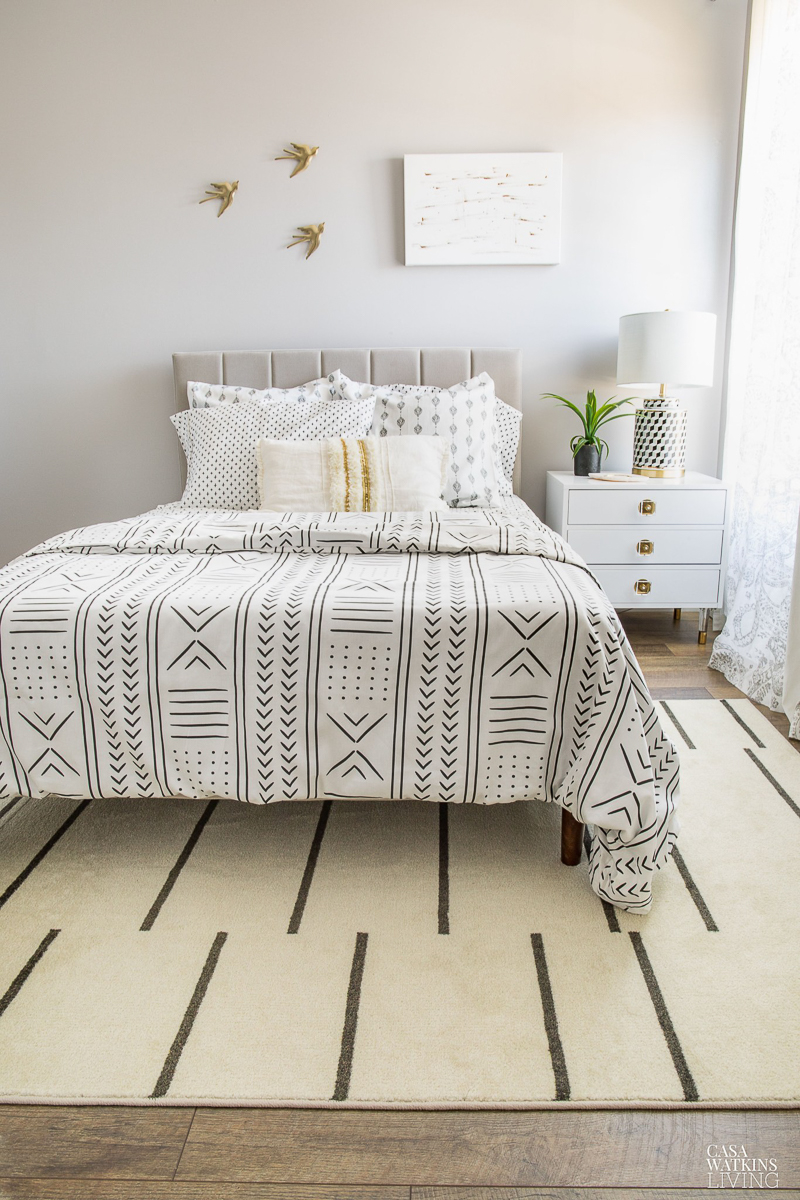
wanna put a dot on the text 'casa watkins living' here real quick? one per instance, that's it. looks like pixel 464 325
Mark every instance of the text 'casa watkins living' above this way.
pixel 733 1167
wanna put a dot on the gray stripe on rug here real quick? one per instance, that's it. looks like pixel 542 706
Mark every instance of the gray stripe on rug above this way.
pixel 45 850
pixel 694 891
pixel 678 725
pixel 11 804
pixel 744 725
pixel 688 1084
pixel 550 1019
pixel 308 873
pixel 17 983
pixel 342 1088
pixel 180 863
pixel 182 1036
pixel 780 790
pixel 444 871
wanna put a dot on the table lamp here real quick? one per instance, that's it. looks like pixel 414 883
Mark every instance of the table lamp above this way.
pixel 674 349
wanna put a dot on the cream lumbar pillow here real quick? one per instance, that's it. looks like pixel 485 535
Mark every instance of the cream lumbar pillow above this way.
pixel 353 475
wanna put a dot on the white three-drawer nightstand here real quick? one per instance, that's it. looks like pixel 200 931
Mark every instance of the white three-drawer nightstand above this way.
pixel 658 543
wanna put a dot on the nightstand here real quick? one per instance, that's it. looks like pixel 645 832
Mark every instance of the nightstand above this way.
pixel 658 543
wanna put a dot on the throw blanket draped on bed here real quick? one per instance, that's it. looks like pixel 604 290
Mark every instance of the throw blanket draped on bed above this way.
pixel 465 656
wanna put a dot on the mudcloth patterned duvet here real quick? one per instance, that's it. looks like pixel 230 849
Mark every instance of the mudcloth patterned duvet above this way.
pixel 466 656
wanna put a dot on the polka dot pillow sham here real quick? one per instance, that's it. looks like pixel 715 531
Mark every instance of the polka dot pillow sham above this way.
pixel 220 442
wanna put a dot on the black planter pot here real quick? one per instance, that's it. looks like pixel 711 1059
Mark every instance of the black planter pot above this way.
pixel 587 460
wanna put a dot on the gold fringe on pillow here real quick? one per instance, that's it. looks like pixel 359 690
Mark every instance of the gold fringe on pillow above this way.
pixel 355 476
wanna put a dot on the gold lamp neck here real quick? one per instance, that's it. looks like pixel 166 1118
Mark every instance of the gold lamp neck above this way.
pixel 662 394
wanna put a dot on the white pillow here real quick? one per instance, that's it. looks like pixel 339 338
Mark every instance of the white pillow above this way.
pixel 509 421
pixel 464 415
pixel 210 395
pixel 353 475
pixel 220 443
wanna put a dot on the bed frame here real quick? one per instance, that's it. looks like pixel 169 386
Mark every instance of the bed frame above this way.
pixel 437 366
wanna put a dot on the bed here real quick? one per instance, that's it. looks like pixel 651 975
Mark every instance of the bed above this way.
pixel 464 656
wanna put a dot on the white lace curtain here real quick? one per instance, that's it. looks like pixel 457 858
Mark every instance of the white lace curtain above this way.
pixel 762 437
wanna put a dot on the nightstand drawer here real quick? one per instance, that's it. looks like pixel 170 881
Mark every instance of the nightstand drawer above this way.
pixel 646 506
pixel 620 545
pixel 669 586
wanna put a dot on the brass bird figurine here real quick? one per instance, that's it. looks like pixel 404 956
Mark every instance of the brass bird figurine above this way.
pixel 223 192
pixel 299 153
pixel 310 234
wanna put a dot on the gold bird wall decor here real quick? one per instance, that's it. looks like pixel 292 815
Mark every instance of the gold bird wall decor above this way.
pixel 222 192
pixel 310 234
pixel 300 154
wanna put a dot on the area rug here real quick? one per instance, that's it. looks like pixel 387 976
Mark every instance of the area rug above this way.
pixel 406 954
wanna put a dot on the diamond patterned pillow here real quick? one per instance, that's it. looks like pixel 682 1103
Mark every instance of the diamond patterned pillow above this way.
pixel 464 415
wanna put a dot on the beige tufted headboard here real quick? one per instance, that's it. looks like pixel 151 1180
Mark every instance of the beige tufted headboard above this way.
pixel 440 366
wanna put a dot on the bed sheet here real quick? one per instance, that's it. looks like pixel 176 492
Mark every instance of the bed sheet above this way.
pixel 466 656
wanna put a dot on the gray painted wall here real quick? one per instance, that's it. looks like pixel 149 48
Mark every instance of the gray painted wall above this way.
pixel 115 116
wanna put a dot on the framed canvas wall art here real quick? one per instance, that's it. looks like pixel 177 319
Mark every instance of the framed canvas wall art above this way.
pixel 482 208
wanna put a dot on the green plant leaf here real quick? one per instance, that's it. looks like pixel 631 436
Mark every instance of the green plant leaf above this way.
pixel 568 404
pixel 618 417
pixel 608 407
pixel 612 404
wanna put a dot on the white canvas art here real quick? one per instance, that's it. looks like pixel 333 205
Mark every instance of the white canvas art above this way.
pixel 482 208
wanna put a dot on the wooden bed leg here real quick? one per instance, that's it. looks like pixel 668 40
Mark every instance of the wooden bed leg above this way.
pixel 571 839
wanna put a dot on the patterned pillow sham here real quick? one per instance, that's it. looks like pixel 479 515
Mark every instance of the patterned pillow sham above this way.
pixel 353 475
pixel 509 421
pixel 464 415
pixel 211 395
pixel 220 443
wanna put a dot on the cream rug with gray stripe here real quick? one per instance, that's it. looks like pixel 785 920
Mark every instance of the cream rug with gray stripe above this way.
pixel 406 954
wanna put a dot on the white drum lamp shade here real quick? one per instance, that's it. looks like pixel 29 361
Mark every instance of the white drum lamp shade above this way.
pixel 674 349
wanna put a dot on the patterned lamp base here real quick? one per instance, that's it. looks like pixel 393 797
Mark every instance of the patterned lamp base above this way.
pixel 659 439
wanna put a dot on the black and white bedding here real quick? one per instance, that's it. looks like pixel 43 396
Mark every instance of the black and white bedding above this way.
pixel 465 656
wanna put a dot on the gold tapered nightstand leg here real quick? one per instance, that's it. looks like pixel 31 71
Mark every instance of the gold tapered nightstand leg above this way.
pixel 676 614
pixel 702 626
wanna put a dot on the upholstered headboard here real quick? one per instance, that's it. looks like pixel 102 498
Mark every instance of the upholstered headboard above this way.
pixel 440 366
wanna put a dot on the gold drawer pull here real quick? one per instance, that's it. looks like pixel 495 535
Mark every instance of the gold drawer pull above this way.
pixel 644 547
pixel 642 587
pixel 647 507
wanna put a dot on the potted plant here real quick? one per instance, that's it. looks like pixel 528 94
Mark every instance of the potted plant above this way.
pixel 587 447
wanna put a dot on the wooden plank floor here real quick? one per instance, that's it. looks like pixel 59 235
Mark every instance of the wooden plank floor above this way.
pixel 676 667
pixel 117 1153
